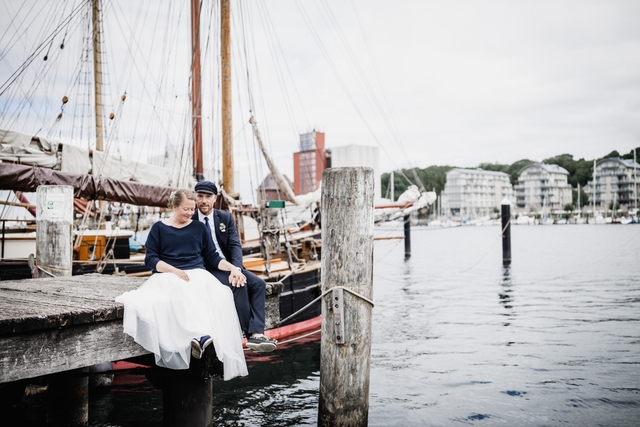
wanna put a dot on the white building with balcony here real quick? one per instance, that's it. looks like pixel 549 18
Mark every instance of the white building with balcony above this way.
pixel 474 193
pixel 616 184
pixel 543 187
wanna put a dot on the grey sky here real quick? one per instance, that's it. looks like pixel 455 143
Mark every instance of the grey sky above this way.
pixel 429 82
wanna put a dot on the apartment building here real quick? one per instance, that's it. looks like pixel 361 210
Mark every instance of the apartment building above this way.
pixel 473 193
pixel 541 186
pixel 616 183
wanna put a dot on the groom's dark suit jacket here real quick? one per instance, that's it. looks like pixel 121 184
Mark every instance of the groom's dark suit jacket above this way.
pixel 227 236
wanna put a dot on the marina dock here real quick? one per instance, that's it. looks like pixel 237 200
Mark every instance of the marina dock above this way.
pixel 53 325
pixel 55 328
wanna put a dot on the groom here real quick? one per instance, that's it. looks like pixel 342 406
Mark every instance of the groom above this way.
pixel 249 298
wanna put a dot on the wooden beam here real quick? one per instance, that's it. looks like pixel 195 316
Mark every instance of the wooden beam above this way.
pixel 57 350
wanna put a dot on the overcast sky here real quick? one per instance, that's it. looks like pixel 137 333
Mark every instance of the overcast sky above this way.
pixel 478 81
pixel 429 82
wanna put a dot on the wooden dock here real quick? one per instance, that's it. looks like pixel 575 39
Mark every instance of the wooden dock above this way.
pixel 58 324
pixel 51 326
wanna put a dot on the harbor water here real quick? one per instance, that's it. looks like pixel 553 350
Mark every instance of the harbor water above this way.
pixel 459 339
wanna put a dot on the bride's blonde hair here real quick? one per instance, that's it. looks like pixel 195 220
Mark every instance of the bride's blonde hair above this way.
pixel 177 197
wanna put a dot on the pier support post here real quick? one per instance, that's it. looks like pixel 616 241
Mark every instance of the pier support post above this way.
pixel 506 231
pixel 407 236
pixel 187 401
pixel 347 262
pixel 68 398
pixel 54 222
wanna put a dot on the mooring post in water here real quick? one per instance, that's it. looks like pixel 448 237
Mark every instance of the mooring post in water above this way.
pixel 68 398
pixel 506 231
pixel 54 222
pixel 187 401
pixel 407 236
pixel 347 271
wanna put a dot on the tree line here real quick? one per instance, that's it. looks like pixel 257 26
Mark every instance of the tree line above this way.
pixel 433 178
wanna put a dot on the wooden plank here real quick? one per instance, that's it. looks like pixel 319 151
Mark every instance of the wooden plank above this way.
pixel 274 266
pixel 258 262
pixel 56 350
pixel 28 312
pixel 38 304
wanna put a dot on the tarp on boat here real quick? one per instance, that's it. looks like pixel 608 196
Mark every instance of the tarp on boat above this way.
pixel 28 178
pixel 16 147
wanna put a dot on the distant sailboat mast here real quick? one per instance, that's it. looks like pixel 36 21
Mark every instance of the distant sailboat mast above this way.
pixel 635 181
pixel 579 207
pixel 594 191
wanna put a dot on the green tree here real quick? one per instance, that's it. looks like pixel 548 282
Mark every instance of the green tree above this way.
pixel 514 169
pixel 629 155
pixel 614 153
pixel 430 177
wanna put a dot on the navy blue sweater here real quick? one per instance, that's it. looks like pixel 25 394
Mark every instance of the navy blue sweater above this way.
pixel 184 248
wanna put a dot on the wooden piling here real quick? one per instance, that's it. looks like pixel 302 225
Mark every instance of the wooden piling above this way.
pixel 54 222
pixel 187 401
pixel 347 261
pixel 407 236
pixel 506 231
pixel 68 398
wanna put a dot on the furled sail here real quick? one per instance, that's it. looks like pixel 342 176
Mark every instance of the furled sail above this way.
pixel 28 178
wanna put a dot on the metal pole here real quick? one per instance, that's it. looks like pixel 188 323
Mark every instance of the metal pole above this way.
pixel 407 236
pixel 506 231
pixel 347 263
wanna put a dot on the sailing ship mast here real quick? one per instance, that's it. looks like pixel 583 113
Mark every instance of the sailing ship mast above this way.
pixel 97 73
pixel 225 64
pixel 196 92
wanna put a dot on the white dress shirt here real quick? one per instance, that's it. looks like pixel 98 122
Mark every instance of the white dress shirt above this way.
pixel 212 225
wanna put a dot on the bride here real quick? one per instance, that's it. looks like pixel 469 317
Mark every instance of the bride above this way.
pixel 182 308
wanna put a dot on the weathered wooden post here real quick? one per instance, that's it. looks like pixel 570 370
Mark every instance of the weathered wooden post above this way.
pixel 187 401
pixel 68 392
pixel 506 231
pixel 347 262
pixel 407 236
pixel 68 398
pixel 54 222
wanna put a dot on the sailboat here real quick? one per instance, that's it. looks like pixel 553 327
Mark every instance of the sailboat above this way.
pixel 286 249
pixel 287 258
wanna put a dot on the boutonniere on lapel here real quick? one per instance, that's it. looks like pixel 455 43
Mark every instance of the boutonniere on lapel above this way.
pixel 223 228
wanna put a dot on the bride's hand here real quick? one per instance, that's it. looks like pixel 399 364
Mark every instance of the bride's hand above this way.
pixel 181 274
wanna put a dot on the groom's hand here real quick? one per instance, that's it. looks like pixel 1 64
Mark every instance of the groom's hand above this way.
pixel 236 278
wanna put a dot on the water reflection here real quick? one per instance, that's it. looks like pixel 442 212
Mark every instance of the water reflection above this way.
pixel 506 293
pixel 281 389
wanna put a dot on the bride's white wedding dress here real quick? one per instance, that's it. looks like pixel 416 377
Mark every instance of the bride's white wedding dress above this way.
pixel 166 312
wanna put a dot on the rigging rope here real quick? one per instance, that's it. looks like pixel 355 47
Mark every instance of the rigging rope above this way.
pixel 352 292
